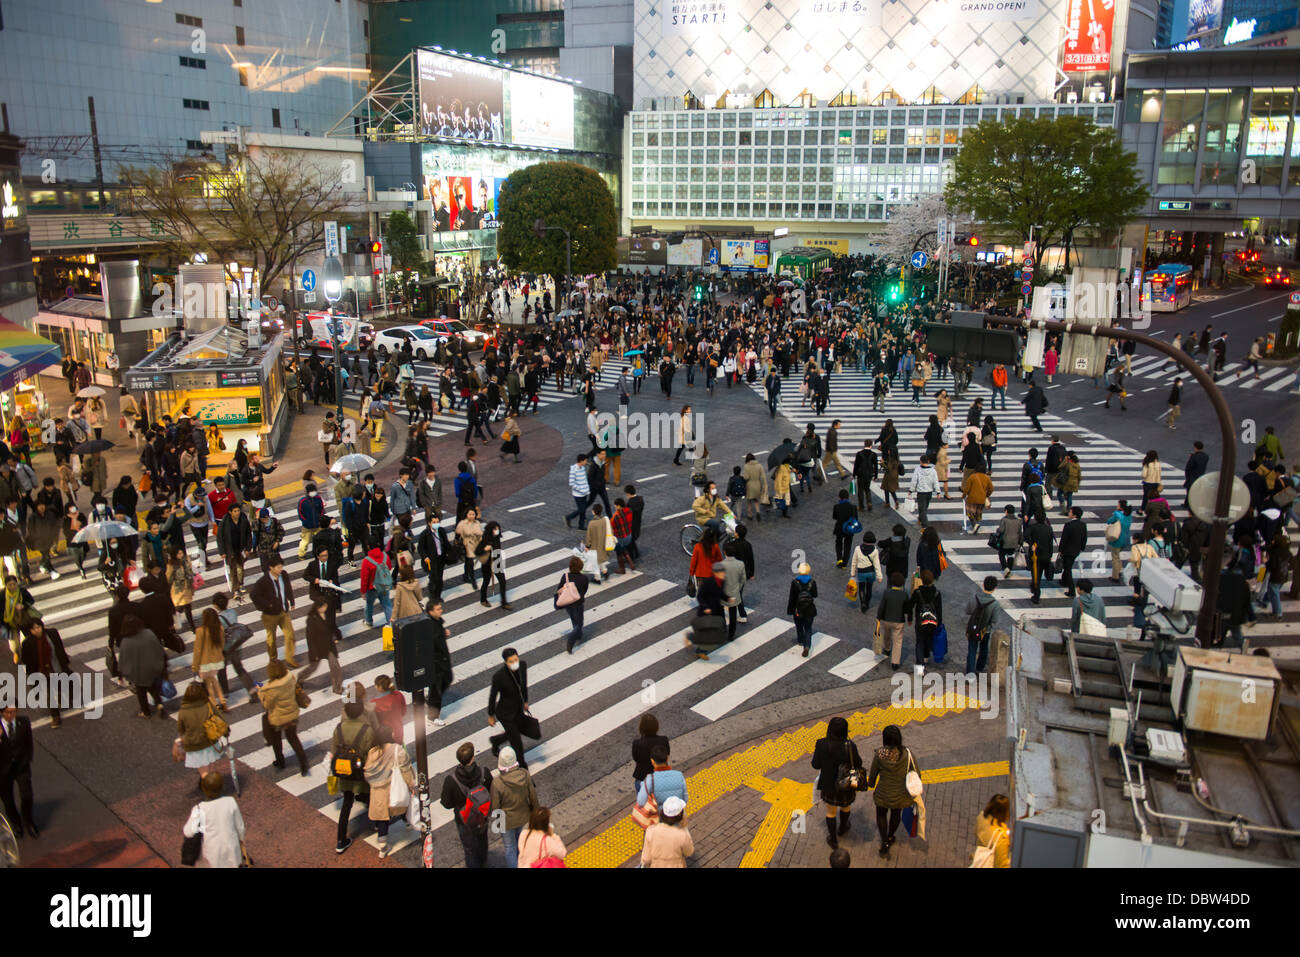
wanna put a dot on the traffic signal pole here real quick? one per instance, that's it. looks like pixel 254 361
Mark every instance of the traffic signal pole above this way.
pixel 1227 436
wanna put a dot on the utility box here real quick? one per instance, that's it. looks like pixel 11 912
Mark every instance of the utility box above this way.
pixel 1225 693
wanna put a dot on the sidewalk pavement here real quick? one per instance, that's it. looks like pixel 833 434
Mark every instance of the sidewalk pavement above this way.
pixel 754 805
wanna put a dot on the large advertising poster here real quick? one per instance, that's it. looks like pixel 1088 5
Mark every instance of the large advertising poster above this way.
pixel 990 11
pixel 1203 16
pixel 689 252
pixel 541 112
pixel 696 18
pixel 647 251
pixel 1088 28
pixel 460 99
pixel 744 255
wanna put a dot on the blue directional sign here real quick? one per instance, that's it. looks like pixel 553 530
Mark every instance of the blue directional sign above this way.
pixel 713 256
pixel 919 259
pixel 308 280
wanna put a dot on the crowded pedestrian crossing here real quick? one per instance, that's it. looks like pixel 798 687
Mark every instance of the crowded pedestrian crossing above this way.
pixel 1160 369
pixel 632 659
pixel 1110 471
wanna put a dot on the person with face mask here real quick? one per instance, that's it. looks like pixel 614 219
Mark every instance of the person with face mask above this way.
pixel 377 516
pixel 708 509
pixel 508 703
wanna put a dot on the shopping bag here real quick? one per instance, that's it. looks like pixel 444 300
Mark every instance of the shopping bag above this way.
pixel 332 785
pixel 910 820
pixel 388 637
pixel 939 646
pixel 877 641
pixel 399 795
pixel 851 590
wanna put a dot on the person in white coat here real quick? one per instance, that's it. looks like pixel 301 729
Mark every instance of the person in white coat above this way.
pixel 220 822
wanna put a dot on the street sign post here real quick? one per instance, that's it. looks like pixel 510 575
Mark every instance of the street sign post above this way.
pixel 331 239
pixel 308 280
pixel 919 259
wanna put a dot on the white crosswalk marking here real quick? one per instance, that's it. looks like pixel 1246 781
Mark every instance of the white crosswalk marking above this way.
pixel 857 664
pixel 632 647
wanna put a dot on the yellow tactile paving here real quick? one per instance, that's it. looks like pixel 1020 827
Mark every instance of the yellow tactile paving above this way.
pixel 622 840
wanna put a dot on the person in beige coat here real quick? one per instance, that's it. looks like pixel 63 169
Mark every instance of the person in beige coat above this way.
pixel 279 697
pixel 383 760
pixel 597 534
pixel 756 487
pixel 539 839
pixel 941 466
pixel 208 656
pixel 407 597
pixel 668 843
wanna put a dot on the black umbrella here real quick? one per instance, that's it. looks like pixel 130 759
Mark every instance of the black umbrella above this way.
pixel 779 454
pixel 93 445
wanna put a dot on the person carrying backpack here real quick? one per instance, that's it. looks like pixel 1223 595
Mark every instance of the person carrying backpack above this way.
pixel 979 624
pixel 377 585
pixel 803 606
pixel 466 792
pixel 352 740
pixel 925 609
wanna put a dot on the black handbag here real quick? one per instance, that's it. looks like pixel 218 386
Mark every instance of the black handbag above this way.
pixel 995 541
pixel 530 727
pixel 191 848
pixel 847 776
pixel 690 586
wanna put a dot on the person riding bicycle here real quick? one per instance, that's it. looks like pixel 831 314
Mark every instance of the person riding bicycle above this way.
pixel 707 508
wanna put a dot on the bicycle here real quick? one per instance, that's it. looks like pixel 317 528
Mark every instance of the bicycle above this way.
pixel 691 533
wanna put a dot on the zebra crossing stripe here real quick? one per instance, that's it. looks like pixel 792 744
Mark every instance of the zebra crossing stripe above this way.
pixel 857 664
pixel 731 696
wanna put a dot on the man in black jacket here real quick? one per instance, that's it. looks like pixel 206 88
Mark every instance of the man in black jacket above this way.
pixel 272 595
pixel 431 547
pixel 866 466
pixel 1194 535
pixel 841 513
pixel 1038 548
pixel 896 551
pixel 440 675
pixel 508 703
pixel 1197 464
pixel 457 787
pixel 323 568
pixel 235 544
pixel 1052 464
pixel 16 750
pixel 1074 539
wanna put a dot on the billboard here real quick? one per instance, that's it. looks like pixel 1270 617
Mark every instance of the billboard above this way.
pixel 744 255
pixel 460 99
pixel 647 251
pixel 541 112
pixel 1089 25
pixel 1204 16
pixel 689 252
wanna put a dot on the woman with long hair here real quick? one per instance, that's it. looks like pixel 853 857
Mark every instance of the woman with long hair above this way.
pixel 208 658
pixel 1151 484
pixel 888 781
pixel 538 842
pixel 829 755
pixel 180 580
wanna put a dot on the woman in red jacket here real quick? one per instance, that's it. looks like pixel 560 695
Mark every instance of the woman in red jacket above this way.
pixel 705 553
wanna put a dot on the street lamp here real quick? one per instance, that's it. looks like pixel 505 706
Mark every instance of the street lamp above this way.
pixel 332 286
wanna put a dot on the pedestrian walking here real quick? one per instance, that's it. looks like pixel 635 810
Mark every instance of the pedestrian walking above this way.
pixel 839 762
pixel 351 741
pixel 992 837
pixel 979 625
pixel 667 842
pixel 887 780
pixel 282 697
pixel 220 824
pixel 391 782
pixel 802 606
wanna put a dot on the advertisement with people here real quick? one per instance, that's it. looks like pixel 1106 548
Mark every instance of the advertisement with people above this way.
pixel 460 99
pixel 745 255
pixel 541 112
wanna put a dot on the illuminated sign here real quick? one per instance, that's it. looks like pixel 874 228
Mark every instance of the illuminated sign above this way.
pixel 1239 30
pixel 693 18
pixel 8 205
pixel 1175 205
pixel 1088 28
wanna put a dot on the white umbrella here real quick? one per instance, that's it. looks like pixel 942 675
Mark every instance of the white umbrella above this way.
pixel 858 273
pixel 844 304
pixel 818 302
pixel 785 284
pixel 91 392
pixel 353 462
pixel 100 532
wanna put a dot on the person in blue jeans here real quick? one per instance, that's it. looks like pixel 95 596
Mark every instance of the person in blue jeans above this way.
pixel 979 624
pixel 802 606
pixel 514 794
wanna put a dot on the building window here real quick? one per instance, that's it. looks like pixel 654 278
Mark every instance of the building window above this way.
pixel 239 3
pixel 1179 132
pixel 189 21
pixel 243 76
pixel 239 36
pixel 275 117
pixel 198 145
pixel 196 104
pixel 765 100
pixel 194 63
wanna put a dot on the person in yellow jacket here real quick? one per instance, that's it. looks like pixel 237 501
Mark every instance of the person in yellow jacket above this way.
pixel 991 829
pixel 977 489
pixel 708 509
pixel 781 485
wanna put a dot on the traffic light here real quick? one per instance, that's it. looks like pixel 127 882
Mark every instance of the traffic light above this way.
pixel 966 240
pixel 377 247
pixel 698 292
pixel 894 291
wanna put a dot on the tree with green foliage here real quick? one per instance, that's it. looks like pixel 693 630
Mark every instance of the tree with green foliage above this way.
pixel 560 194
pixel 1058 177
pixel 402 243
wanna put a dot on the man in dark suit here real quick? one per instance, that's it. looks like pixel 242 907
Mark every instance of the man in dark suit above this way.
pixel 1074 539
pixel 272 595
pixel 42 653
pixel 1197 463
pixel 1038 551
pixel 432 546
pixel 440 675
pixel 866 466
pixel 235 543
pixel 508 702
pixel 16 749
pixel 323 568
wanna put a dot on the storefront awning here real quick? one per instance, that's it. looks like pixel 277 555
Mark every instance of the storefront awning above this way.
pixel 23 354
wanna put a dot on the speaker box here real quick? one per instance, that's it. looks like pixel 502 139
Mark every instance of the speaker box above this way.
pixel 413 643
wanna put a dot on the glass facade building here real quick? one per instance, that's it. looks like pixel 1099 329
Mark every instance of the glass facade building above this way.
pixel 816 164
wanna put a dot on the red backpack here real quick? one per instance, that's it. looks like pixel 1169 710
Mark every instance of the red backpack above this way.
pixel 478 808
